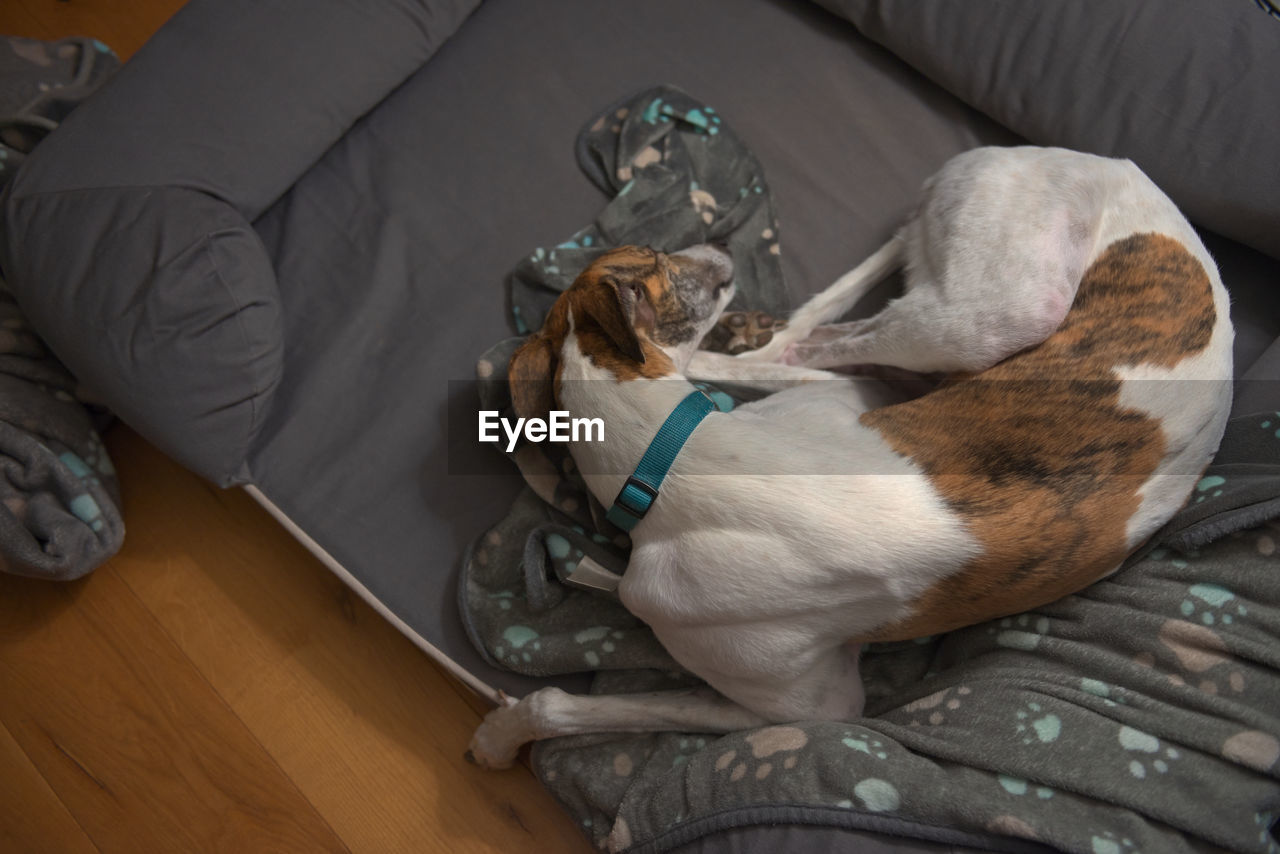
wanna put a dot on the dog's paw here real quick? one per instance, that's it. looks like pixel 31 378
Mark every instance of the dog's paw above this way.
pixel 741 332
pixel 496 742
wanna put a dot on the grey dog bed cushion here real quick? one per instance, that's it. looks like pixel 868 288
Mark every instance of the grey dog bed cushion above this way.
pixel 166 302
pixel 1180 87
pixel 129 231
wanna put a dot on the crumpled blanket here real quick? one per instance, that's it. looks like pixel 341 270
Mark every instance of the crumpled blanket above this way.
pixel 59 499
pixel 40 82
pixel 678 175
pixel 1140 715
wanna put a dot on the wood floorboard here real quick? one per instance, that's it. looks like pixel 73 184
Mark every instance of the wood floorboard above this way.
pixel 123 25
pixel 15 20
pixel 375 734
pixel 128 733
pixel 32 818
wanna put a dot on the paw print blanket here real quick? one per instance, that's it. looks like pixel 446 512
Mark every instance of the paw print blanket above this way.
pixel 59 500
pixel 1140 715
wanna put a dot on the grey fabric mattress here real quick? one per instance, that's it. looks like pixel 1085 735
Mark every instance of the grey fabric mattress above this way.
pixel 277 242
pixel 453 205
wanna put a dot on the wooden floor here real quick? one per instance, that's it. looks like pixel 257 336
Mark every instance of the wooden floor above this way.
pixel 213 687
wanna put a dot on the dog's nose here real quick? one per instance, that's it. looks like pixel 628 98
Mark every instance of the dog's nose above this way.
pixel 714 262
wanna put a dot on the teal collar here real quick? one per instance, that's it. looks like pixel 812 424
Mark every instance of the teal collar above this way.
pixel 641 489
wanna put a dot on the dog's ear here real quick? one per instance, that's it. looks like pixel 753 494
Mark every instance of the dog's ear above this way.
pixel 612 305
pixel 531 377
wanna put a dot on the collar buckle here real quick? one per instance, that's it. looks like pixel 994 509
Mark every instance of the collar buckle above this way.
pixel 627 499
pixel 641 488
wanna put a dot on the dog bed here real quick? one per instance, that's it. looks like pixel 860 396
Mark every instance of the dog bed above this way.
pixel 1077 725
pixel 278 240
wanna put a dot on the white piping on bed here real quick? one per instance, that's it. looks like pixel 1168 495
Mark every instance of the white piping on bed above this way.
pixel 458 671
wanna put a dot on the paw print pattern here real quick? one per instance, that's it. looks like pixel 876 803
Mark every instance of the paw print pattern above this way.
pixel 1263 822
pixel 1198 650
pixel 933 708
pixel 1018 787
pixel 1266 542
pixel 600 639
pixel 775 248
pixel 1023 632
pixel 1035 727
pixel 1110 695
pixel 686 748
pixel 492 540
pixel 1109 843
pixel 561 551
pixel 1150 757
pixel 1254 748
pixel 1211 604
pixel 874 795
pixel 765 746
pixel 83 506
pixel 703 202
pixel 1008 825
pixel 1209 486
pixel 95 454
pixel 503 599
pixel 867 744
pixel 520 642
pixel 1194 638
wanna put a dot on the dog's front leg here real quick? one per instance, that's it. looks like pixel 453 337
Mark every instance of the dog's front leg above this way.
pixel 764 377
pixel 550 712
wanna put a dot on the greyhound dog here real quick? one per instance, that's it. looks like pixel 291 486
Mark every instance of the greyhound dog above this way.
pixel 1072 306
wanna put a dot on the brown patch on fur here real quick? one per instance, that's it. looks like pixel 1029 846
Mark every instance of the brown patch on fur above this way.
pixel 1037 454
pixel 613 322
pixel 603 300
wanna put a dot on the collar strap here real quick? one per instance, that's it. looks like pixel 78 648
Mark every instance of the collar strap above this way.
pixel 638 493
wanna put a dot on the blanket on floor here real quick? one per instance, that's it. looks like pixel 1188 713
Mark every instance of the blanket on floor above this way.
pixel 59 501
pixel 1142 714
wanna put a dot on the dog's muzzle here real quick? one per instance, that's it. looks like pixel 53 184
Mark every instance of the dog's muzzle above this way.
pixel 715 257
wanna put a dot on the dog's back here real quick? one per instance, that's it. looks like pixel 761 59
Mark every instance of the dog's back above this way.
pixel 1063 458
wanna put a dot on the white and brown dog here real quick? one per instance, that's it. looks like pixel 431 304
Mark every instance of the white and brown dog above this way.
pixel 1088 334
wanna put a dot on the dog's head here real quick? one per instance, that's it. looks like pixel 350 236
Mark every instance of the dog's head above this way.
pixel 635 312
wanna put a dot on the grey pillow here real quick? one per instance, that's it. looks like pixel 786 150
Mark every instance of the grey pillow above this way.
pixel 1184 88
pixel 127 236
pixel 163 302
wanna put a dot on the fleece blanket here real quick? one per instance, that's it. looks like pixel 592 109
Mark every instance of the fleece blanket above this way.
pixel 1142 714
pixel 677 175
pixel 40 82
pixel 59 501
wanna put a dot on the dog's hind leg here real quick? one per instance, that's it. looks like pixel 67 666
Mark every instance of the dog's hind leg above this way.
pixel 550 712
pixel 834 302
pixel 797 681
pixel 993 259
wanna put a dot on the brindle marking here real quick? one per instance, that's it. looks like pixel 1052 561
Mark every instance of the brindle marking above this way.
pixel 618 326
pixel 1037 453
